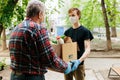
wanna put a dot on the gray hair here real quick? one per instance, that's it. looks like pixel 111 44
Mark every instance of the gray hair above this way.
pixel 35 7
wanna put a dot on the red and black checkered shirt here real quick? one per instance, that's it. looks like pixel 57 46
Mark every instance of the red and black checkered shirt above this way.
pixel 30 50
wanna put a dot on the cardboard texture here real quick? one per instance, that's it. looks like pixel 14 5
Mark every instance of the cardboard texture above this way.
pixel 67 51
pixel 58 50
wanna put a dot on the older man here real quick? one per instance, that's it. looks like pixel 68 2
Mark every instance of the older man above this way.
pixel 30 49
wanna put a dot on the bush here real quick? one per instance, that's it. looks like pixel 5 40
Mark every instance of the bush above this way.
pixel 2 64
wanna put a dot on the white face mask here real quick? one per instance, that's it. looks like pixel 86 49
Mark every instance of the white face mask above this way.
pixel 73 20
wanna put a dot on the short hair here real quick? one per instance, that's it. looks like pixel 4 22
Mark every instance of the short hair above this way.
pixel 35 7
pixel 75 9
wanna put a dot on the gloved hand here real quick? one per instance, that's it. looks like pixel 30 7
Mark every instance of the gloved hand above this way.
pixel 75 64
pixel 68 70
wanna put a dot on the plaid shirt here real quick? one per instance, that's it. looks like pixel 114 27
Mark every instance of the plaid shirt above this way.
pixel 30 50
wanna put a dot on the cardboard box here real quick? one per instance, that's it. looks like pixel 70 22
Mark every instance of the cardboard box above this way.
pixel 67 51
pixel 57 49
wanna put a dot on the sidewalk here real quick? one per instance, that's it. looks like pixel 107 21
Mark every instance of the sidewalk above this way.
pixel 90 73
pixel 51 75
pixel 103 54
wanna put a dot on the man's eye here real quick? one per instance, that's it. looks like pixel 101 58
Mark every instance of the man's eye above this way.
pixel 72 15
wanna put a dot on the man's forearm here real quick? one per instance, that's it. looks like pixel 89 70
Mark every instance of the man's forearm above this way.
pixel 85 55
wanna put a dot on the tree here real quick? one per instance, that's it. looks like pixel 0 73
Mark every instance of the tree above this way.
pixel 3 3
pixel 52 9
pixel 91 14
pixel 113 20
pixel 111 10
pixel 14 13
pixel 3 38
pixel 19 12
pixel 109 46
pixel 7 12
pixel 5 18
pixel 1 28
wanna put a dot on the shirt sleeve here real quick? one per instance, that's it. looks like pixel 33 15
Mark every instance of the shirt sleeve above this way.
pixel 88 35
pixel 48 58
pixel 66 33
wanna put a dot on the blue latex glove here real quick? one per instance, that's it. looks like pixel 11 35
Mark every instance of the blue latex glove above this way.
pixel 75 64
pixel 68 70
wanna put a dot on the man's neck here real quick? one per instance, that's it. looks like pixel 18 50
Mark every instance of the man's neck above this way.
pixel 76 25
pixel 35 19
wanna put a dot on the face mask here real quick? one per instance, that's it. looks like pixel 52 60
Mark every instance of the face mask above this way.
pixel 73 20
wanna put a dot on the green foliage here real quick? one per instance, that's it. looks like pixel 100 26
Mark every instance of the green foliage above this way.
pixel 7 12
pixel 54 41
pixel 2 63
pixel 111 11
pixel 75 3
pixel 3 4
pixel 12 13
pixel 43 1
pixel 60 3
pixel 19 12
pixel 91 12
pixel 52 10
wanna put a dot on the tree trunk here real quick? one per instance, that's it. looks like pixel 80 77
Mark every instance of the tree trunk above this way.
pixel 6 12
pixel 1 28
pixel 114 32
pixel 3 40
pixel 109 46
pixel 113 20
